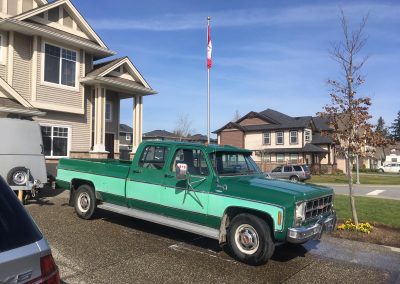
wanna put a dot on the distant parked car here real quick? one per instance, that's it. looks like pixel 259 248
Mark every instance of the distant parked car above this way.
pixel 25 256
pixel 390 168
pixel 291 172
pixel 22 164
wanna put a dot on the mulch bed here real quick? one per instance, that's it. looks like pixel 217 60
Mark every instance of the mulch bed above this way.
pixel 380 235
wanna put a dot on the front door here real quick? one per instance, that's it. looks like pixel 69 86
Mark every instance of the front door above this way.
pixel 109 145
pixel 187 200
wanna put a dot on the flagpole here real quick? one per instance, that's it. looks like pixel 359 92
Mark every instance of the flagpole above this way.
pixel 208 91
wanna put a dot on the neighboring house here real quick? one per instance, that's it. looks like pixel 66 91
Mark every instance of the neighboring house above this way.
pixel 166 135
pixel 125 141
pixel 50 72
pixel 276 138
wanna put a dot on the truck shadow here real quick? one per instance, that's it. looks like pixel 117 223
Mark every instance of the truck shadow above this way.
pixel 283 252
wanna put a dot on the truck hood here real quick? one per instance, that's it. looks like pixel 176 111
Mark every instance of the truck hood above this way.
pixel 266 189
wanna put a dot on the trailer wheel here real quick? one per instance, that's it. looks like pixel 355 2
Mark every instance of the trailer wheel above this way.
pixel 85 201
pixel 18 176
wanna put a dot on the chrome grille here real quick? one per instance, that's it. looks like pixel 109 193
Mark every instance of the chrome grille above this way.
pixel 318 206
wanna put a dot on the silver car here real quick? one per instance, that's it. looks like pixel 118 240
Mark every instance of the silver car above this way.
pixel 25 256
pixel 291 172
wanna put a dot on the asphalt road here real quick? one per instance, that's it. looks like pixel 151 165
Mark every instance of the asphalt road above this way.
pixel 379 191
pixel 116 249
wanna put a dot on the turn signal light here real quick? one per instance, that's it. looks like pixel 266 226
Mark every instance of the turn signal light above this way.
pixel 279 218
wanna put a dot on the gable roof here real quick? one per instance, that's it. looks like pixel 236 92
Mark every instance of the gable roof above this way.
pixel 125 128
pixel 105 68
pixel 12 106
pixel 259 115
pixel 83 24
pixel 159 133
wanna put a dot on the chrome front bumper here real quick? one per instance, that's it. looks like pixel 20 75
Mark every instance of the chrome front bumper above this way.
pixel 311 232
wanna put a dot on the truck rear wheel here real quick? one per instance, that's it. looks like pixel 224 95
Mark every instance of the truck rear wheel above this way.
pixel 85 201
pixel 249 238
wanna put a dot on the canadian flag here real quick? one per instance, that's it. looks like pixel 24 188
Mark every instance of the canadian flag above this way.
pixel 209 48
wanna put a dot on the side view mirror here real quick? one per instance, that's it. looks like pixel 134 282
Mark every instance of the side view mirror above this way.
pixel 181 171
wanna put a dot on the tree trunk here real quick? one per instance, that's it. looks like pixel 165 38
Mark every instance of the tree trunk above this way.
pixel 352 201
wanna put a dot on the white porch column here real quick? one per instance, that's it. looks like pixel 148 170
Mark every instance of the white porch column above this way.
pixel 137 122
pixel 99 119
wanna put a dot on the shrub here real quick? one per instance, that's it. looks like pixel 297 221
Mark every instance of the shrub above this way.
pixel 362 227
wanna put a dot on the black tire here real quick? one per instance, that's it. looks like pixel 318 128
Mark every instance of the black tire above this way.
pixel 381 171
pixel 257 233
pixel 18 176
pixel 294 178
pixel 85 202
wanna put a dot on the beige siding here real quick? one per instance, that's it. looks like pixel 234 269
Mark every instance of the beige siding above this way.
pixel 12 7
pixel 58 95
pixel 232 137
pixel 27 5
pixel 79 125
pixel 254 141
pixel 3 67
pixel 22 65
pixel 3 73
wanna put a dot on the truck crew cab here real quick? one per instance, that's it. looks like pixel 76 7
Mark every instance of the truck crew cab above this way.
pixel 214 191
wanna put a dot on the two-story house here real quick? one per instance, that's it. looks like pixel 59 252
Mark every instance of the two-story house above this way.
pixel 276 138
pixel 52 70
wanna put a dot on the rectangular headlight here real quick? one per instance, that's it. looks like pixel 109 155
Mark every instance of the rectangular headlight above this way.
pixel 300 214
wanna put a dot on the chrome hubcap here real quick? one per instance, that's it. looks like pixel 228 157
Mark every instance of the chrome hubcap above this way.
pixel 246 239
pixel 84 202
pixel 20 178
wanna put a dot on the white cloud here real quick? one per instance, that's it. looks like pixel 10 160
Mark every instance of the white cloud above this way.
pixel 308 14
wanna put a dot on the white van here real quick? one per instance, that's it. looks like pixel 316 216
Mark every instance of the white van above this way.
pixel 22 162
pixel 390 168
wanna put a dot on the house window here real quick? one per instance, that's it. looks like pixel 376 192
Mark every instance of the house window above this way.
pixel 293 137
pixel 307 136
pixel 128 137
pixel 280 158
pixel 294 158
pixel 59 66
pixel 108 112
pixel 279 138
pixel 266 138
pixel 55 141
pixel 266 158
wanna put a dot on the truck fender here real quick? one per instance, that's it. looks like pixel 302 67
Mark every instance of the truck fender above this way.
pixel 231 212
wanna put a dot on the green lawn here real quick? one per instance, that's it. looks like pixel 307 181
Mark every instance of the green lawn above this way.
pixel 369 209
pixel 364 179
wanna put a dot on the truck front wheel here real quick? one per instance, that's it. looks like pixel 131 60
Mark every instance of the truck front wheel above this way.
pixel 85 201
pixel 249 238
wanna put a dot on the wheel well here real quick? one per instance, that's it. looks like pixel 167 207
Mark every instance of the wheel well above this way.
pixel 231 212
pixel 75 184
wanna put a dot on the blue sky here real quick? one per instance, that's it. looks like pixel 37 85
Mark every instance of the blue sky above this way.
pixel 266 54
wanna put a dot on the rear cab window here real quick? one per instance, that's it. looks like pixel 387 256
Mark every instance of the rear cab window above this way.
pixel 17 229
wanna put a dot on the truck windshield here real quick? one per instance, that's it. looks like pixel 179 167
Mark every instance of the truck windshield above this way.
pixel 233 163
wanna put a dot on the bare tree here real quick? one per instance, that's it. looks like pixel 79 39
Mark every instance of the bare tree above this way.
pixel 236 116
pixel 183 126
pixel 348 112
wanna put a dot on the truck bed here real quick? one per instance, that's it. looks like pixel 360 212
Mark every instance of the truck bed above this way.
pixel 103 167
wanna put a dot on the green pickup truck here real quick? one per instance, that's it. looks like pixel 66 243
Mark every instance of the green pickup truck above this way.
pixel 214 191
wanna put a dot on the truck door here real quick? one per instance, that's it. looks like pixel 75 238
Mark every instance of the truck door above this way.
pixel 187 200
pixel 145 180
